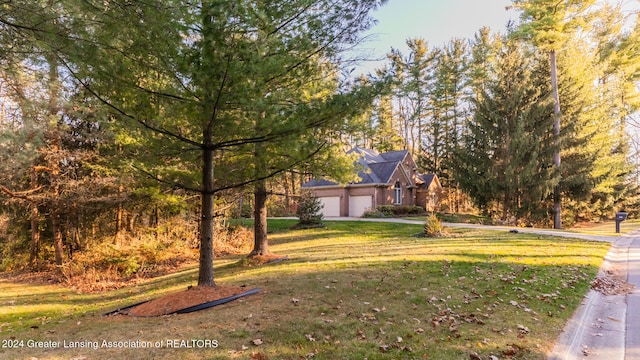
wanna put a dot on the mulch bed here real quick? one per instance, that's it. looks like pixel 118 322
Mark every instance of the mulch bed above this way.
pixel 195 296
pixel 184 299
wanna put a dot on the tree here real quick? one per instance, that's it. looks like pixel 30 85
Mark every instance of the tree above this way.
pixel 545 23
pixel 413 77
pixel 196 77
pixel 386 131
pixel 504 158
pixel 309 211
pixel 448 100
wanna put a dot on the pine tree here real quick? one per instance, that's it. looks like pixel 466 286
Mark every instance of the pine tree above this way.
pixel 547 23
pixel 196 78
pixel 503 162
pixel 309 211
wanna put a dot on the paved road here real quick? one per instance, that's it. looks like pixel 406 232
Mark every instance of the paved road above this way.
pixel 605 327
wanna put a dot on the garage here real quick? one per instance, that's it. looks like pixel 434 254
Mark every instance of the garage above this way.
pixel 359 204
pixel 331 206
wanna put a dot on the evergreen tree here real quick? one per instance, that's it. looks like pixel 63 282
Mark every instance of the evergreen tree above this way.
pixel 504 159
pixel 197 77
pixel 448 101
pixel 386 132
pixel 413 79
pixel 546 23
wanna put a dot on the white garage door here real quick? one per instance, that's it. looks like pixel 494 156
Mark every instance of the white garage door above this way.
pixel 331 206
pixel 359 204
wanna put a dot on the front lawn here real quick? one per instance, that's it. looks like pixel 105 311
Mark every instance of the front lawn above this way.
pixel 352 290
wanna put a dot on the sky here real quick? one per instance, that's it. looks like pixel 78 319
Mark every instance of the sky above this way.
pixel 436 21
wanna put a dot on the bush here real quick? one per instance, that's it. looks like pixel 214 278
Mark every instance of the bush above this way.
pixel 386 210
pixel 308 211
pixel 433 227
pixel 373 214
pixel 397 210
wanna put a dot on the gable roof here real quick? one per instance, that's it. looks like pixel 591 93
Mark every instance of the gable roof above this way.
pixel 427 179
pixel 375 168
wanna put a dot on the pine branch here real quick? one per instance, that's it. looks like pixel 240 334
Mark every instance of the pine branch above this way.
pixel 166 182
pixel 273 173
pixel 24 195
pixel 124 113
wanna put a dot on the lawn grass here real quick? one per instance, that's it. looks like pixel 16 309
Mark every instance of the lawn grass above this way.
pixel 352 290
pixel 607 227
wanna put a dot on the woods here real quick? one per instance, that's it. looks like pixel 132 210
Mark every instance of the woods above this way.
pixel 485 114
pixel 160 128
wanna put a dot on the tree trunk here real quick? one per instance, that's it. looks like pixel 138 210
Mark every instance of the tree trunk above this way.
pixel 58 246
pixel 35 225
pixel 131 223
pixel 119 227
pixel 260 244
pixel 557 200
pixel 205 272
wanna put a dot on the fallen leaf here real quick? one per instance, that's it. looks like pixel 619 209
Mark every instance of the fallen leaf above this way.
pixel 258 356
pixel 523 329
pixel 257 342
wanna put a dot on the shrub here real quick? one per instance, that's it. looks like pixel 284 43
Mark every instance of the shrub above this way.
pixel 373 214
pixel 308 211
pixel 433 227
pixel 386 210
pixel 398 210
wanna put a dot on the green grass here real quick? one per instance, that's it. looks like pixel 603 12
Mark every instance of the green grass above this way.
pixel 361 290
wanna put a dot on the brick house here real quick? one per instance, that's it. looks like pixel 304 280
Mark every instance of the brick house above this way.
pixel 389 178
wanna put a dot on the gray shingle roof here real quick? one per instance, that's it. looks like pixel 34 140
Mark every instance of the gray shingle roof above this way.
pixel 376 168
pixel 427 178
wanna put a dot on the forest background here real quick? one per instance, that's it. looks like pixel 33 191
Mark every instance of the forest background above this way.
pixel 106 131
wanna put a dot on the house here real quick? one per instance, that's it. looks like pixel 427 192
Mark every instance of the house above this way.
pixel 390 178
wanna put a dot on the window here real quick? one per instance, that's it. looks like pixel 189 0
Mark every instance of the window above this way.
pixel 397 193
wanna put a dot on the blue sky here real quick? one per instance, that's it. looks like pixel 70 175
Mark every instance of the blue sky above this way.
pixel 436 21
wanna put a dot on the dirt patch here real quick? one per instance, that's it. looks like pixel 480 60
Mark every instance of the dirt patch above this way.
pixel 611 284
pixel 184 299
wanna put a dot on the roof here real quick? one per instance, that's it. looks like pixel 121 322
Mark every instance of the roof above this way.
pixel 424 181
pixel 375 168
pixel 427 178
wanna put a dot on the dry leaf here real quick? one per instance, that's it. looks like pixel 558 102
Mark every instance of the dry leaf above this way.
pixel 257 342
pixel 258 356
pixel 523 329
